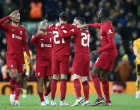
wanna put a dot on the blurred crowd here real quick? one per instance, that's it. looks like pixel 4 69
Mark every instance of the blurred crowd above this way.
pixel 125 16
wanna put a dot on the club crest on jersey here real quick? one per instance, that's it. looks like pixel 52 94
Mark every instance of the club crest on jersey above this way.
pixel 12 66
pixel 20 32
pixel 13 30
pixel 109 31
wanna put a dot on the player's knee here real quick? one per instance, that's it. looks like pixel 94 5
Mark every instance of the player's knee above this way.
pixel 55 76
pixel 75 76
pixel 103 78
pixel 64 76
pixel 19 78
pixel 84 78
pixel 95 71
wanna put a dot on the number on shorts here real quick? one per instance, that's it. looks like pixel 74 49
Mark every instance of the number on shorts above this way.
pixel 85 38
pixel 56 35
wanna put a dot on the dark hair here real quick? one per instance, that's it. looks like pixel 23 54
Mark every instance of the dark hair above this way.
pixel 81 20
pixel 105 13
pixel 123 84
pixel 64 16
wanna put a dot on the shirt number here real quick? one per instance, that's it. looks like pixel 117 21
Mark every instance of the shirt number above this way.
pixel 56 35
pixel 85 39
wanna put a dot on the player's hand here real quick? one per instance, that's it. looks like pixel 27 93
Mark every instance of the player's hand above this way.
pixel 94 52
pixel 14 13
pixel 39 32
pixel 42 25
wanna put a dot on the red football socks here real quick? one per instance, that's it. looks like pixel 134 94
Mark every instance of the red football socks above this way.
pixel 12 86
pixel 41 96
pixel 86 90
pixel 17 90
pixel 77 87
pixel 63 88
pixel 105 87
pixel 96 82
pixel 53 88
pixel 48 90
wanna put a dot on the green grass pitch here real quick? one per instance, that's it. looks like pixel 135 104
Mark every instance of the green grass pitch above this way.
pixel 120 102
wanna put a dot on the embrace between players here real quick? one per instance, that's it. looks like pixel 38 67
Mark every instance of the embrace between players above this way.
pixel 52 45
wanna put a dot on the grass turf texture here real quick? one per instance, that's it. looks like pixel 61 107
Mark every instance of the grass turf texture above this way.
pixel 120 102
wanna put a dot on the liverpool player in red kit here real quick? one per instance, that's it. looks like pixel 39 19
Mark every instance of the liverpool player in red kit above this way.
pixel 60 59
pixel 105 61
pixel 80 67
pixel 43 44
pixel 16 41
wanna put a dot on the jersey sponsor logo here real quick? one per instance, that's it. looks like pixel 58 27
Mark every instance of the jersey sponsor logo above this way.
pixel 45 45
pixel 62 27
pixel 109 31
pixel 41 39
pixel 16 37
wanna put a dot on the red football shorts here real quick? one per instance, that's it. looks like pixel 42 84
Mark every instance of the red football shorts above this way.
pixel 43 68
pixel 60 64
pixel 16 62
pixel 105 61
pixel 81 64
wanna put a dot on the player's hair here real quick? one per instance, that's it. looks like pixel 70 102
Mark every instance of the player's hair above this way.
pixel 105 13
pixel 81 20
pixel 123 84
pixel 63 16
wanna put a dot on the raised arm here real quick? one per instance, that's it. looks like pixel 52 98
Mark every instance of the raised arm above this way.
pixel 65 34
pixel 95 25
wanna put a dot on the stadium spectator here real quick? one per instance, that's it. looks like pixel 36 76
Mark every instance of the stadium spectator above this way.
pixel 119 88
pixel 123 69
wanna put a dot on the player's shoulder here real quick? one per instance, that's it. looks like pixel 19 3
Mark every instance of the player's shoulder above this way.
pixel 22 27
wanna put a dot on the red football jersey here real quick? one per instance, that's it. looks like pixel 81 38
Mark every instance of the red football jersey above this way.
pixel 107 37
pixel 81 39
pixel 61 46
pixel 43 44
pixel 16 38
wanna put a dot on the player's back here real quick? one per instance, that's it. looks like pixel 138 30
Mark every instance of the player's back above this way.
pixel 14 37
pixel 81 41
pixel 61 46
pixel 44 46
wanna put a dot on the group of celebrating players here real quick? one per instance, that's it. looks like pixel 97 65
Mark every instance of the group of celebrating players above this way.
pixel 52 45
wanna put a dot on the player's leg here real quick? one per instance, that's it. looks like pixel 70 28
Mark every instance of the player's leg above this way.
pixel 12 65
pixel 64 70
pixel 54 88
pixel 96 81
pixel 138 81
pixel 55 72
pixel 18 88
pixel 40 83
pixel 77 88
pixel 85 84
pixel 47 90
pixel 24 86
pixel 105 86
pixel 14 75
